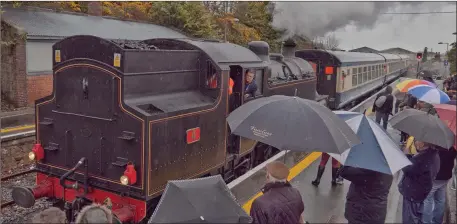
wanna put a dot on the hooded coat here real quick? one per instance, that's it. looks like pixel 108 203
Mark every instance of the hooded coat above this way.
pixel 366 200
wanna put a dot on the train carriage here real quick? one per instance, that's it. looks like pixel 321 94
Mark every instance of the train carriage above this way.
pixel 347 77
pixel 125 117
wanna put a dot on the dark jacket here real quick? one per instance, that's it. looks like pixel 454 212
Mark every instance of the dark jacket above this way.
pixel 251 88
pixel 447 157
pixel 418 177
pixel 388 104
pixel 366 200
pixel 280 203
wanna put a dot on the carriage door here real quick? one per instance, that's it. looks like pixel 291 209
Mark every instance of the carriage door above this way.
pixel 326 81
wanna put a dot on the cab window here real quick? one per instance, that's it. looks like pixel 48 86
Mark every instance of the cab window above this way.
pixel 212 76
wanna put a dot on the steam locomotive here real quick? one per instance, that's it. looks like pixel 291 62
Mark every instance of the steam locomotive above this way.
pixel 125 117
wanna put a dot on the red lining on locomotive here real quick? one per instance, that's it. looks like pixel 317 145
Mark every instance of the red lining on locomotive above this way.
pixel 121 205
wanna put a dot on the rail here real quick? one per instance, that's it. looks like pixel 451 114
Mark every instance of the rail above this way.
pixel 11 202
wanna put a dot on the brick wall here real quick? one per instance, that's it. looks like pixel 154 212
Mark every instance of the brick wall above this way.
pixel 13 65
pixel 38 86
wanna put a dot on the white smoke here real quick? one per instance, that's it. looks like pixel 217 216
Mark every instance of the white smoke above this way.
pixel 316 19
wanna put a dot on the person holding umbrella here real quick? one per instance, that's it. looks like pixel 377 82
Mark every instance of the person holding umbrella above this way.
pixel 370 168
pixel 417 182
pixel 366 200
pixel 336 179
pixel 434 204
pixel 280 202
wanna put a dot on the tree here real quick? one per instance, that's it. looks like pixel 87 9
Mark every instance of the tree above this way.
pixel 424 55
pixel 329 42
pixel 190 17
pixel 257 17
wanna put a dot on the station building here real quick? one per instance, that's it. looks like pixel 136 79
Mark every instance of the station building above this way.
pixel 27 36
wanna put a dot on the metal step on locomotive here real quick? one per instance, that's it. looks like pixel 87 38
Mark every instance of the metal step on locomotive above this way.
pixel 125 117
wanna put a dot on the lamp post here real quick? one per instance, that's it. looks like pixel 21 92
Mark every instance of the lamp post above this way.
pixel 447 46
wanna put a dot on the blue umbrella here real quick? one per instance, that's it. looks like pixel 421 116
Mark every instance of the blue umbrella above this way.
pixel 378 152
pixel 429 94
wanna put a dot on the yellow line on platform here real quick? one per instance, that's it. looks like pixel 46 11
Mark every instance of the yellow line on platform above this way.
pixel 18 128
pixel 294 171
pixel 369 111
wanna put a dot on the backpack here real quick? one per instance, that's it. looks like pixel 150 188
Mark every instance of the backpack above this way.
pixel 380 101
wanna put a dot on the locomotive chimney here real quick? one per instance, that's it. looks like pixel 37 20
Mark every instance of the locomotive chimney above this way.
pixel 289 48
pixel 94 8
pixel 261 49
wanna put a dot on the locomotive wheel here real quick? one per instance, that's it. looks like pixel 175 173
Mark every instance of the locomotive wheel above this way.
pixel 23 197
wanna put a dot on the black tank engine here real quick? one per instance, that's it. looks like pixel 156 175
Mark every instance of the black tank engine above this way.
pixel 127 116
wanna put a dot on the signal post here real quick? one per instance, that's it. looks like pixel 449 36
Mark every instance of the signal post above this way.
pixel 419 58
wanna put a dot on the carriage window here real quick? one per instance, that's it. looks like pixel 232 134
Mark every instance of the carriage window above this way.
pixel 359 79
pixel 364 69
pixel 365 77
pixel 360 70
pixel 212 76
pixel 354 80
pixel 354 71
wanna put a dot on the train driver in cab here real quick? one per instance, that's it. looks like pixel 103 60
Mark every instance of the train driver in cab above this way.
pixel 251 86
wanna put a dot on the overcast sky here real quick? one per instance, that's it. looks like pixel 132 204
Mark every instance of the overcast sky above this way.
pixel 410 32
pixel 358 24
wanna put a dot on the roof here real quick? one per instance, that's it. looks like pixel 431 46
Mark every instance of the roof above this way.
pixel 45 24
pixel 223 52
pixel 391 56
pixel 396 49
pixel 364 50
pixel 346 57
pixel 350 58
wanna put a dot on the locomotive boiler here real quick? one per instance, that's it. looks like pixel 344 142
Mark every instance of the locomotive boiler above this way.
pixel 125 117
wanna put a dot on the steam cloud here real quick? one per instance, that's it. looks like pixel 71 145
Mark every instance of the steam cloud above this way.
pixel 316 19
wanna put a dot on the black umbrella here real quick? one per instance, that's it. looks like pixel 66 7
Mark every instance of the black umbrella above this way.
pixel 202 200
pixel 292 123
pixel 423 127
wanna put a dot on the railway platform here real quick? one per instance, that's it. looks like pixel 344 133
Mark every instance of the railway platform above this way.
pixel 326 203
pixel 17 124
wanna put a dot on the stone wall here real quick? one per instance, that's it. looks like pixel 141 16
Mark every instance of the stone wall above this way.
pixel 13 65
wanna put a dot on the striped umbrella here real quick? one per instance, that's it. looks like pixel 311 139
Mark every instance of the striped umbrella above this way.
pixel 405 85
pixel 429 94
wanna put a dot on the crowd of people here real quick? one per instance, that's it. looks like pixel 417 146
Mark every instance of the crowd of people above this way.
pixel 423 184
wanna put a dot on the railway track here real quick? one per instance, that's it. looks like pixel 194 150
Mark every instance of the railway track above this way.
pixel 12 176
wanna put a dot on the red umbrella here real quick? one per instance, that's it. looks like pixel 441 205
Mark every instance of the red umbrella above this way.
pixel 448 114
